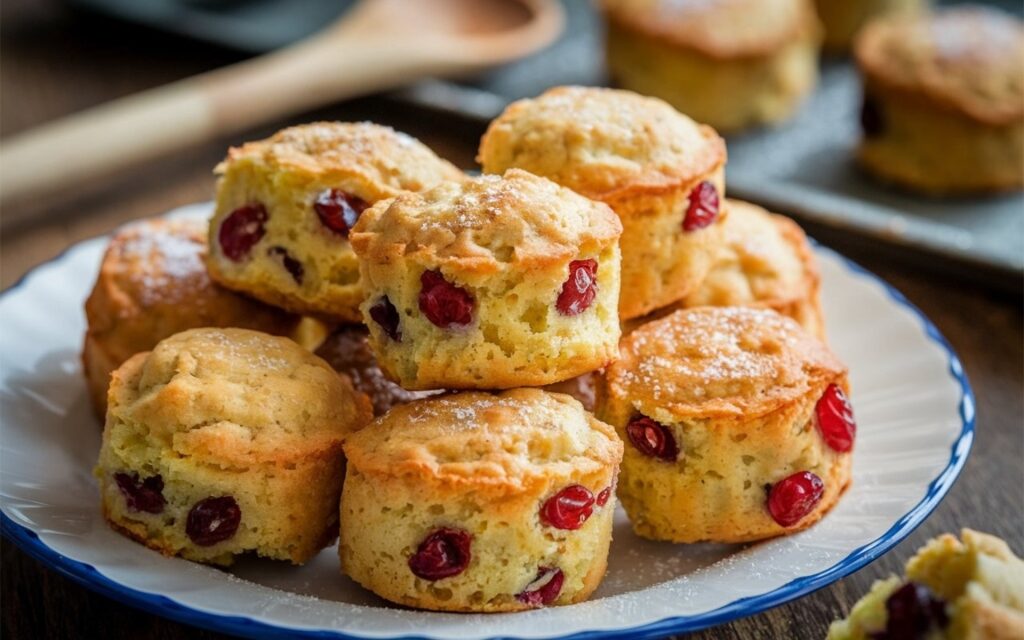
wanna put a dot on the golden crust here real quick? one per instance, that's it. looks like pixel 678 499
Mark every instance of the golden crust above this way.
pixel 723 29
pixel 606 144
pixel 236 397
pixel 385 161
pixel 485 442
pixel 483 464
pixel 509 243
pixel 719 362
pixel 486 224
pixel 970 60
pixel 736 389
pixel 152 284
pixel 764 261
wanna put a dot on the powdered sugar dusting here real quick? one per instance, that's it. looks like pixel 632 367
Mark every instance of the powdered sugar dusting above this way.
pixel 166 260
pixel 707 353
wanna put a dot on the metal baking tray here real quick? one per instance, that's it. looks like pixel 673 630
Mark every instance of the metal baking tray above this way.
pixel 803 168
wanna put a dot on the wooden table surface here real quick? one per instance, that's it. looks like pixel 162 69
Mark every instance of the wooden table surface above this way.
pixel 54 62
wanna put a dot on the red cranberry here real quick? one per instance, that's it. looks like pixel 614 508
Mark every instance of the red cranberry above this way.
pixel 213 520
pixel 793 497
pixel 146 496
pixel 292 265
pixel 911 612
pixel 443 303
pixel 443 554
pixel 339 211
pixel 871 120
pixel 652 439
pixel 579 290
pixel 602 498
pixel 702 208
pixel 569 508
pixel 835 419
pixel 386 315
pixel 241 230
pixel 544 589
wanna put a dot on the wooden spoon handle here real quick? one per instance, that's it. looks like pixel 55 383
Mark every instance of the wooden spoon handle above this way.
pixel 118 134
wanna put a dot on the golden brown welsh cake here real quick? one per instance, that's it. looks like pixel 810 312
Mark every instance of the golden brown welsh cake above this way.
pixel 493 282
pixel 226 441
pixel 730 64
pixel 480 502
pixel 152 284
pixel 286 205
pixel 736 424
pixel 943 105
pixel 660 171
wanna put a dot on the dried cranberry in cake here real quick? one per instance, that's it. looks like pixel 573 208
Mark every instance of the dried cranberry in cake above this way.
pixel 579 290
pixel 241 230
pixel 146 496
pixel 386 315
pixel 544 589
pixel 339 211
pixel 871 121
pixel 795 496
pixel 652 439
pixel 443 303
pixel 569 508
pixel 702 208
pixel 911 612
pixel 290 264
pixel 442 554
pixel 213 520
pixel 602 498
pixel 835 419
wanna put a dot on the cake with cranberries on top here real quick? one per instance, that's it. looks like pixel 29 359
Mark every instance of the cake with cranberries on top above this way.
pixel 227 441
pixel 152 284
pixel 348 352
pixel 943 108
pixel 492 282
pixel 286 205
pixel 967 589
pixel 736 425
pixel 731 64
pixel 843 19
pixel 660 171
pixel 480 502
pixel 765 261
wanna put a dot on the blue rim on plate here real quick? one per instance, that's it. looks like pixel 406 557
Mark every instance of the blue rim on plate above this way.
pixel 87 575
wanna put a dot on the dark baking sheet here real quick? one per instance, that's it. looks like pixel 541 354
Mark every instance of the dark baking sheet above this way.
pixel 802 168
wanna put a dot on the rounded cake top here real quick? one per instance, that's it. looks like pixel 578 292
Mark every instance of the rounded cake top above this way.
pixel 389 160
pixel 969 58
pixel 718 28
pixel 237 397
pixel 602 143
pixel 510 439
pixel 764 258
pixel 153 282
pixel 483 224
pixel 719 362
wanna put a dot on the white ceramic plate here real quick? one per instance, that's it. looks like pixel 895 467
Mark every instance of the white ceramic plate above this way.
pixel 915 415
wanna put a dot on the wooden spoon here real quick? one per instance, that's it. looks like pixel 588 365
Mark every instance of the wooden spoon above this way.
pixel 377 45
